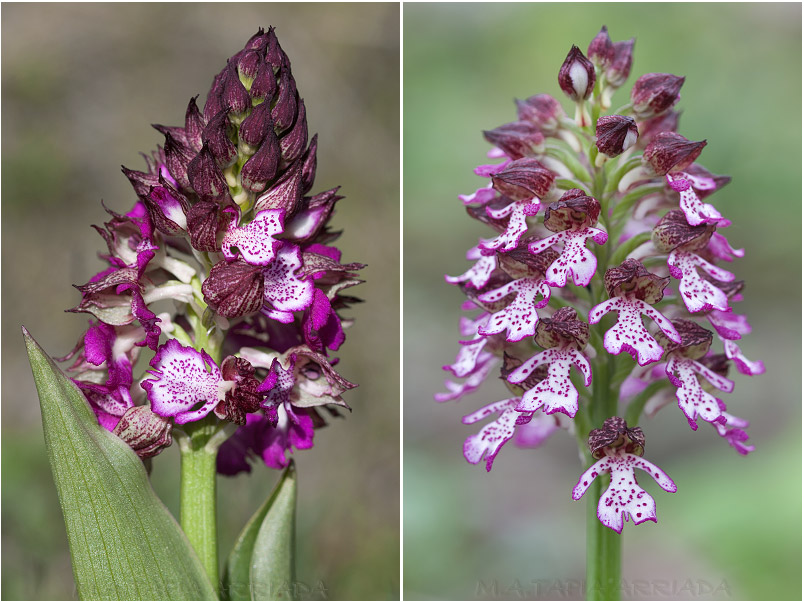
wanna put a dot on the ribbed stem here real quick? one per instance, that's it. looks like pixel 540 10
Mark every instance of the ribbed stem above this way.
pixel 602 551
pixel 198 494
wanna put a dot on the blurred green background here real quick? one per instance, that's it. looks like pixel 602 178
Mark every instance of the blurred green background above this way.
pixel 733 530
pixel 80 85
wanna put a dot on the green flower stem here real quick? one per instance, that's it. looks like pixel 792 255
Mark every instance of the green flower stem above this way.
pixel 198 518
pixel 602 551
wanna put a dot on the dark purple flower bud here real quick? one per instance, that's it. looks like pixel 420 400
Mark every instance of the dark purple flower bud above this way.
pixel 234 94
pixel 601 49
pixel 259 41
pixel 145 432
pixel 654 94
pixel 243 398
pixel 615 134
pixel 695 339
pixel 205 177
pixel 309 165
pixel 577 75
pixel 234 289
pixel 216 137
pixel 256 125
pixel 717 363
pixel 631 279
pixel 562 327
pixel 261 167
pixel 615 434
pixel 523 179
pixel 648 130
pixel 312 215
pixel 518 139
pixel 294 142
pixel 264 84
pixel 274 54
pixel 542 110
pixel 284 111
pixel 285 193
pixel 673 231
pixel 620 67
pixel 214 101
pixel 248 63
pixel 671 152
pixel 177 160
pixel 204 221
pixel 573 210
pixel 167 209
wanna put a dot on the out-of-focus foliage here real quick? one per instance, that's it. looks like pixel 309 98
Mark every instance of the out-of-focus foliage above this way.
pixel 81 84
pixel 734 521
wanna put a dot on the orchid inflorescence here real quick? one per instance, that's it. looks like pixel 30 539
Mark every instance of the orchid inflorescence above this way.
pixel 227 260
pixel 627 182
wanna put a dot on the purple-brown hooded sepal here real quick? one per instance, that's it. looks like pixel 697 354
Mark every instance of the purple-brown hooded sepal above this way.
pixel 145 432
pixel 670 152
pixel 620 67
pixel 561 328
pixel 601 49
pixel 234 289
pixel 518 139
pixel 543 111
pixel 655 93
pixel 695 340
pixel 615 134
pixel 615 434
pixel 574 210
pixel 673 231
pixel 632 279
pixel 577 75
pixel 523 179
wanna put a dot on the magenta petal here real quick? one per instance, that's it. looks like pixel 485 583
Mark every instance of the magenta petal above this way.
pixel 184 379
pixel 322 326
pixel 485 363
pixel 254 240
pixel 744 365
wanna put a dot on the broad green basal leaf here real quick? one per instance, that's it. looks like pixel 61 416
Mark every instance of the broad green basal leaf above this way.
pixel 124 543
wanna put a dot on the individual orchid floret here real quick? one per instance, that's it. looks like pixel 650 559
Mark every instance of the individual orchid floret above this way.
pixel 655 93
pixel 674 231
pixel 485 363
pixel 618 451
pixel 478 275
pixel 144 431
pixel 564 336
pixel 523 179
pixel 187 384
pixel 489 441
pixel 571 217
pixel 615 134
pixel 619 70
pixel 683 370
pixel 743 364
pixel 698 293
pixel 670 152
pixel 518 318
pixel 632 291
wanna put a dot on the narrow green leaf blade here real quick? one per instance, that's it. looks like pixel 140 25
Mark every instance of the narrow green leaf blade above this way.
pixel 124 543
pixel 272 567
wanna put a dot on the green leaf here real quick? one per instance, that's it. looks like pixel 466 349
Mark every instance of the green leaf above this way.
pixel 124 543
pixel 273 573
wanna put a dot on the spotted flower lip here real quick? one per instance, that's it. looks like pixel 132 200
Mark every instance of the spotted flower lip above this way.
pixel 490 440
pixel 575 260
pixel 255 240
pixel 624 498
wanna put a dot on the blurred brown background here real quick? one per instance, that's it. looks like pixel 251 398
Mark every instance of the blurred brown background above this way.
pixel 80 85
pixel 734 520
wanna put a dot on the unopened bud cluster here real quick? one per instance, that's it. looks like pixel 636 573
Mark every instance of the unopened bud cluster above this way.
pixel 225 269
pixel 597 296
